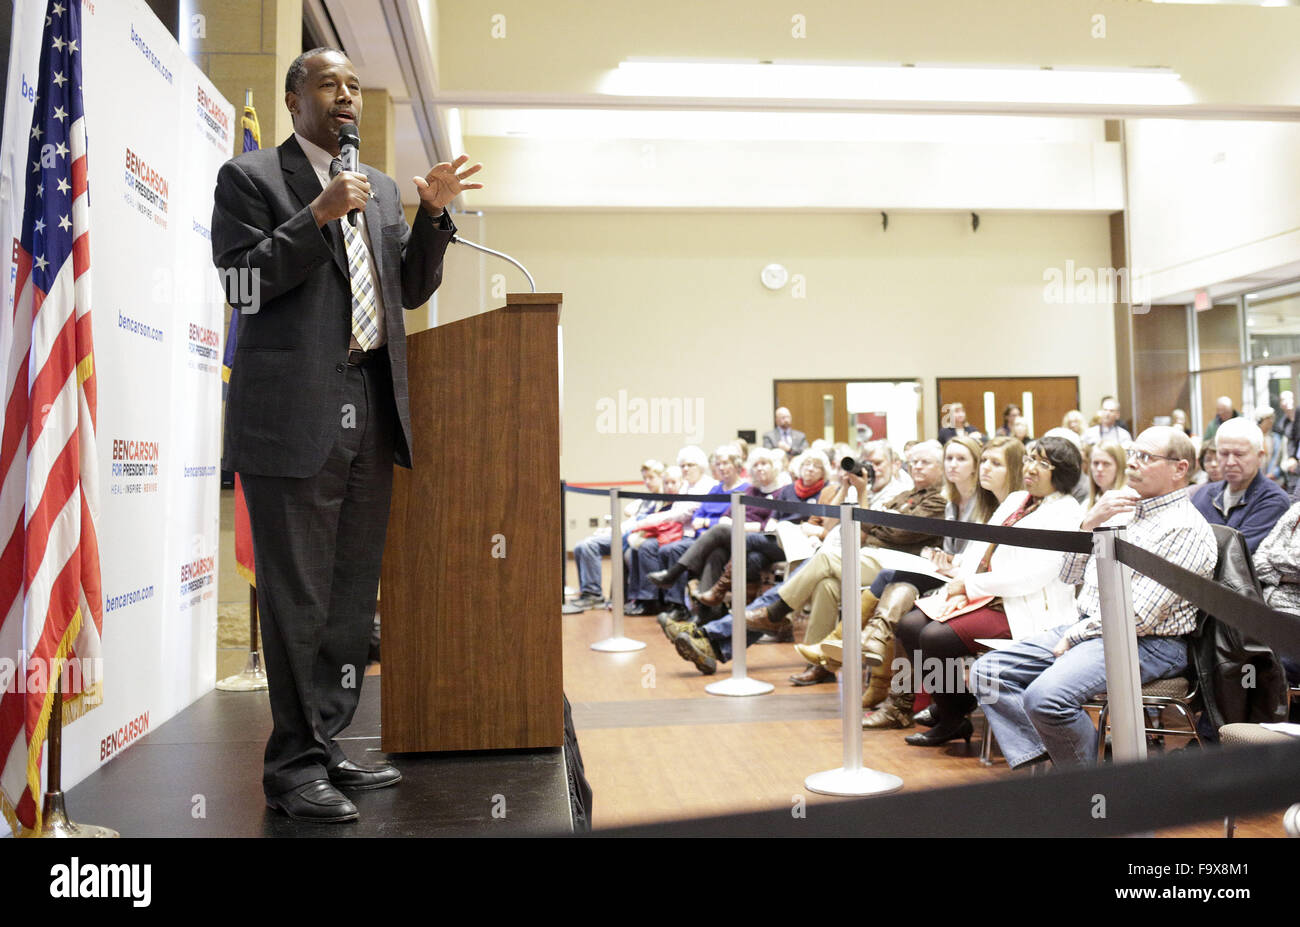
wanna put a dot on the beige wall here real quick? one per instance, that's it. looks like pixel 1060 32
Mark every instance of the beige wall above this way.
pixel 670 305
pixel 1226 54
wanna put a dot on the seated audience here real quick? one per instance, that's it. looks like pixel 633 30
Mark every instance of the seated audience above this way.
pixel 1288 427
pixel 1207 469
pixel 1243 499
pixel 958 425
pixel 1277 563
pixel 708 559
pixel 1080 491
pixel 892 592
pixel 1108 427
pixel 587 553
pixel 1223 412
pixel 642 596
pixel 1106 470
pixel 1073 420
pixel 1033 692
pixel 1020 430
pixel 1017 590
pixel 1179 420
pixel 727 462
pixel 1009 414
pixel 1274 446
pixel 704 646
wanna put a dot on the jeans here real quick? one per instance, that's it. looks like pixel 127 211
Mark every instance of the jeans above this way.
pixel 643 562
pixel 587 554
pixel 668 556
pixel 1033 699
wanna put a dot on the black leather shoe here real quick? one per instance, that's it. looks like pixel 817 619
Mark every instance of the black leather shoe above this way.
pixel 315 802
pixel 636 607
pixel 943 732
pixel 348 775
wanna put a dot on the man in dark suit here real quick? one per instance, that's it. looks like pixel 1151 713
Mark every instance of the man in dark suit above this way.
pixel 783 437
pixel 317 411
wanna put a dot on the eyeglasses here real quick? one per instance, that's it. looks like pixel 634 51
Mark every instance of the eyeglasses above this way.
pixel 1142 458
pixel 1039 462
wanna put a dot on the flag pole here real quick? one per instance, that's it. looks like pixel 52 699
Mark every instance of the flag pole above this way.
pixel 252 678
pixel 55 822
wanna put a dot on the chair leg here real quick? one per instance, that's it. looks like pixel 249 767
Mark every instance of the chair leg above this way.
pixel 986 746
pixel 1191 723
pixel 1101 732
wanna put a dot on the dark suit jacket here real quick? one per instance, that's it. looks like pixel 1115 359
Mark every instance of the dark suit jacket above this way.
pixel 798 440
pixel 283 409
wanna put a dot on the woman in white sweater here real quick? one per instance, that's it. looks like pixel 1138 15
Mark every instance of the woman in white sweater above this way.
pixel 1025 581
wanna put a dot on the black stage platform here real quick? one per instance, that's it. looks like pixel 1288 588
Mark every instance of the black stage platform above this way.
pixel 208 759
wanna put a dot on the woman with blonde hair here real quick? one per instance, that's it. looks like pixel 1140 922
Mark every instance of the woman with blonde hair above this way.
pixel 1107 463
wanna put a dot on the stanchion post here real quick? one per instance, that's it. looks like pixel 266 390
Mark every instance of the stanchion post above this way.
pixel 739 683
pixel 852 778
pixel 616 560
pixel 851 627
pixel 618 643
pixel 1119 642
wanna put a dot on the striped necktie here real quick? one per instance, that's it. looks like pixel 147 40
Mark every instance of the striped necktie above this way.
pixel 365 317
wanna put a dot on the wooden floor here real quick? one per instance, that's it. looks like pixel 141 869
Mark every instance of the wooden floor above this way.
pixel 656 746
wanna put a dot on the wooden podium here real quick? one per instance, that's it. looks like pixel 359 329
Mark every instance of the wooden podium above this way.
pixel 470 594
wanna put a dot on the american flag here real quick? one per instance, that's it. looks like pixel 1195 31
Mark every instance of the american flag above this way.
pixel 51 608
pixel 244 563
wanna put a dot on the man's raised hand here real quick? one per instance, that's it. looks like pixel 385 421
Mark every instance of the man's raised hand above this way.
pixel 444 182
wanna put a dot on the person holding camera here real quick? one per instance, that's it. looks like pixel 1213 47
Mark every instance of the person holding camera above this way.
pixel 819 579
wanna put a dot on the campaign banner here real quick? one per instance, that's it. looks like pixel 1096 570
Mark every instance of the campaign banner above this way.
pixel 157 131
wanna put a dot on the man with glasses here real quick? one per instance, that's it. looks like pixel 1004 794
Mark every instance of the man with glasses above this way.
pixel 1033 692
pixel 1244 499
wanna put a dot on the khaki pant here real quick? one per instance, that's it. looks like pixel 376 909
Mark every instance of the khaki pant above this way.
pixel 819 581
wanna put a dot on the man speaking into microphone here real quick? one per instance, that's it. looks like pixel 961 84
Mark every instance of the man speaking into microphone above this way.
pixel 317 412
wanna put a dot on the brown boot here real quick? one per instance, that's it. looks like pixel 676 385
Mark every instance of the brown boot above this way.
pixel 877 689
pixel 760 619
pixel 715 595
pixel 878 641
pixel 896 712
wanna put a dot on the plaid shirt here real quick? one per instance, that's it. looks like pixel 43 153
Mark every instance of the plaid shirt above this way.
pixel 1278 564
pixel 1169 527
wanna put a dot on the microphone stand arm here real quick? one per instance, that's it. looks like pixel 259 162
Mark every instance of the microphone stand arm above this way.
pixel 486 250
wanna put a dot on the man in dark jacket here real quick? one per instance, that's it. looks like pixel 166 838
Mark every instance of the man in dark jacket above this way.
pixel 1244 499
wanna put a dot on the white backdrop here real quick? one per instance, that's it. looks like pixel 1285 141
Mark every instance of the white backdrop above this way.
pixel 157 132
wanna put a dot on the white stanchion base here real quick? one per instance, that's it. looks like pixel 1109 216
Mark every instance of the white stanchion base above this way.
pixel 618 645
pixel 252 679
pixel 739 687
pixel 852 782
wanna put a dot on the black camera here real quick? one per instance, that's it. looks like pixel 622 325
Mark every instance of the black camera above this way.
pixel 859 468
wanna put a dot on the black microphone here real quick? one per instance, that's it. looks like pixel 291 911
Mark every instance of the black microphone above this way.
pixel 349 142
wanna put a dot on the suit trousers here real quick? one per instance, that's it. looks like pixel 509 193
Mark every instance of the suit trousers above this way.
pixel 318 545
